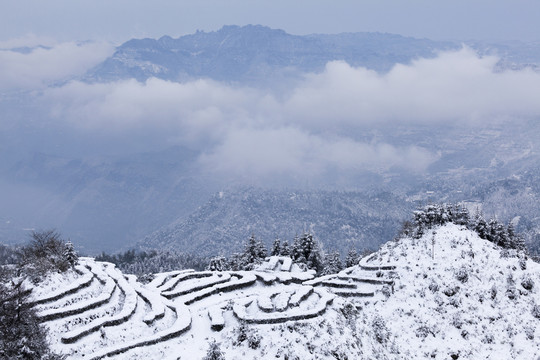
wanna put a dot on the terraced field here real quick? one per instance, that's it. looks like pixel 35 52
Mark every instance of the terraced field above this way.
pixel 98 312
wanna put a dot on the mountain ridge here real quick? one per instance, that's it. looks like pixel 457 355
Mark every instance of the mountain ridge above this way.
pixel 252 52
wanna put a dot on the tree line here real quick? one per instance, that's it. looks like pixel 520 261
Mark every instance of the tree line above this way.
pixel 305 251
pixel 439 214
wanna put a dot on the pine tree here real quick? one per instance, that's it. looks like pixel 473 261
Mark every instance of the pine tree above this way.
pixel 216 264
pixel 516 241
pixel 236 262
pixel 70 255
pixel 285 249
pixel 254 253
pixel 21 335
pixel 420 223
pixel 306 250
pixel 214 352
pixel 276 248
pixel 502 236
pixel 352 258
pixel 510 230
pixel 433 215
pixel 492 231
pixel 307 244
pixel 461 216
pixel 481 226
pixel 315 258
pixel 519 242
pixel 296 251
pixel 332 264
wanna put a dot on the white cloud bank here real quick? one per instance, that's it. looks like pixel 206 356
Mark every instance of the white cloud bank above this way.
pixel 456 86
pixel 319 126
pixel 289 151
pixel 37 67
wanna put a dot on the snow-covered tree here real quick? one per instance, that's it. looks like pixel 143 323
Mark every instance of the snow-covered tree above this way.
pixel 45 253
pixel 332 263
pixel 155 261
pixel 515 240
pixel 315 259
pixel 296 250
pixel 306 250
pixel 21 335
pixel 285 249
pixel 236 262
pixel 254 253
pixel 70 255
pixel 460 215
pixel 497 233
pixel 276 248
pixel 480 226
pixel 214 352
pixel 434 214
pixel 217 264
pixel 352 258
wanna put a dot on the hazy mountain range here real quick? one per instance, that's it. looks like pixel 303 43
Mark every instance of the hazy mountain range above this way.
pixel 256 54
pixel 211 113
pixel 342 219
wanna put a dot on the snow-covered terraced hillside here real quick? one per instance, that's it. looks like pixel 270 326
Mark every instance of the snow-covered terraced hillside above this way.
pixel 100 312
pixel 447 295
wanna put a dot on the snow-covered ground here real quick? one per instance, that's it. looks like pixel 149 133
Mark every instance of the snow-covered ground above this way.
pixel 447 295
pixel 456 295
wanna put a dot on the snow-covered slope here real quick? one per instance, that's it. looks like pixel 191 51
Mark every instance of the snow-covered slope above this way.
pixel 457 296
pixel 446 295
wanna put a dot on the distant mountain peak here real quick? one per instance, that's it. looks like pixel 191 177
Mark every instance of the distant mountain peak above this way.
pixel 255 54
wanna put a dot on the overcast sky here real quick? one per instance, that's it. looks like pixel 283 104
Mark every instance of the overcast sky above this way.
pixel 119 20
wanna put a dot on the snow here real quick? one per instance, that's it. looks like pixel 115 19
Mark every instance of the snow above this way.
pixel 181 325
pixel 216 317
pixel 438 311
pixel 265 302
pixel 300 294
pixel 266 277
pixel 444 295
pixel 277 263
pixel 160 279
pixel 157 304
pixel 282 300
pixel 129 305
pixel 262 311
pixel 171 282
pixel 81 306
pixel 194 284
pixel 60 286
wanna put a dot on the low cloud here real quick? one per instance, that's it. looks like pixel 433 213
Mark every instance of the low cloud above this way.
pixel 270 153
pixel 192 112
pixel 319 126
pixel 25 66
pixel 455 86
